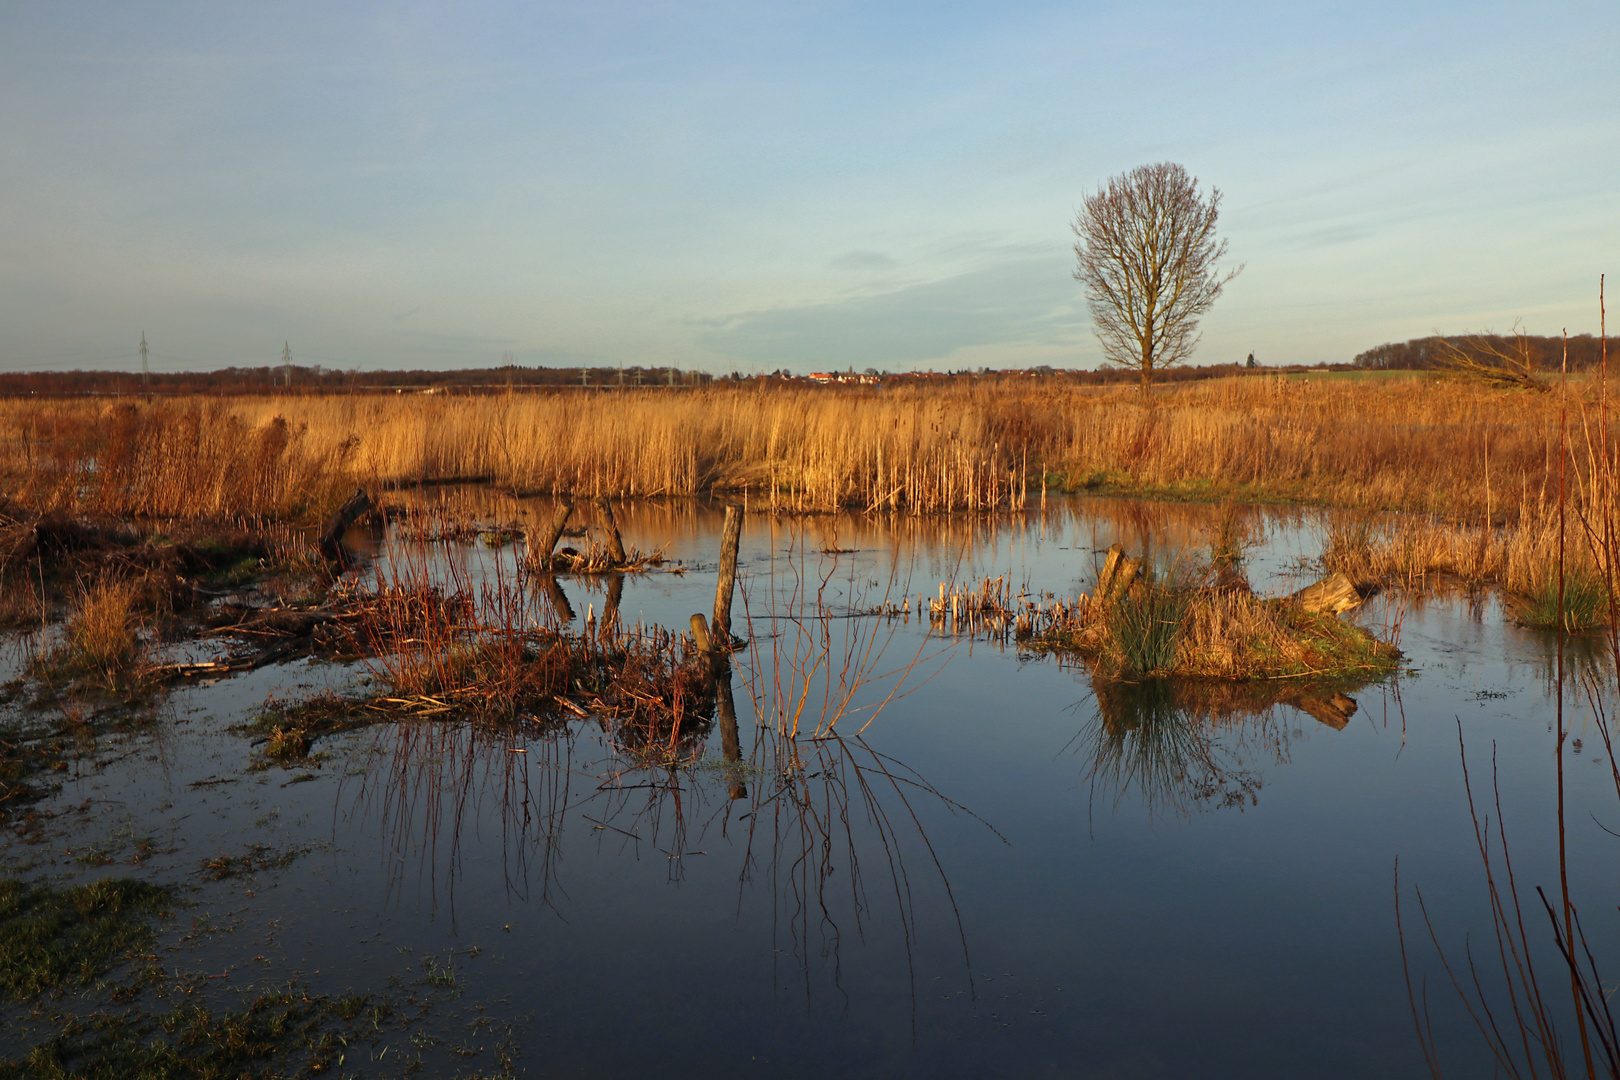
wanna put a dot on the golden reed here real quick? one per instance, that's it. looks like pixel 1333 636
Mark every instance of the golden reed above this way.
pixel 1462 452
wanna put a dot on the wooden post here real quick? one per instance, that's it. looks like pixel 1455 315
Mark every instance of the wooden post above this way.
pixel 354 507
pixel 540 553
pixel 700 636
pixel 727 583
pixel 1119 572
pixel 615 545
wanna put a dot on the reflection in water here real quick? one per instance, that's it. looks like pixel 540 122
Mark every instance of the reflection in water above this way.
pixel 1144 739
pixel 1181 745
pixel 808 818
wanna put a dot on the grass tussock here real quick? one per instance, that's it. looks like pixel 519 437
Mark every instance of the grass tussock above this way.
pixel 1162 630
pixel 102 631
pixel 1141 632
pixel 1447 448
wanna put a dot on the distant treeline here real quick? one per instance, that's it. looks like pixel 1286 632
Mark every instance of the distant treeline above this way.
pixel 316 380
pixel 319 380
pixel 1427 353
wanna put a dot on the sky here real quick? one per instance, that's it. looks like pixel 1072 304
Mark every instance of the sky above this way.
pixel 753 186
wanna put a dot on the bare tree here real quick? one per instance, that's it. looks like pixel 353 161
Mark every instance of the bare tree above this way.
pixel 1146 254
pixel 1500 362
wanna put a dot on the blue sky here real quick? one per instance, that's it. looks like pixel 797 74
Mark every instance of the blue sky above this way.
pixel 751 186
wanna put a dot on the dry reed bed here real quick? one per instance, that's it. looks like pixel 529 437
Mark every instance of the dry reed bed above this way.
pixel 1408 445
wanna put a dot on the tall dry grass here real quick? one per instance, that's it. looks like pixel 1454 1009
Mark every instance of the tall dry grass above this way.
pixel 200 459
pixel 1446 448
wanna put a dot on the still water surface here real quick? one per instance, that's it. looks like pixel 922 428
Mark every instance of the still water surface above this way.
pixel 1008 873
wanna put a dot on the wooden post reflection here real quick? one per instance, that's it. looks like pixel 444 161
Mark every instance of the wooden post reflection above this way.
pixel 559 599
pixel 610 610
pixel 730 744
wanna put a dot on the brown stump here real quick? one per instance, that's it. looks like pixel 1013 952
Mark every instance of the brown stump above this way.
pixel 540 552
pixel 615 545
pixel 353 509
pixel 727 583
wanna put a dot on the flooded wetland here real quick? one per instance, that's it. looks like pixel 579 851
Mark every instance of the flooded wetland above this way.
pixel 458 809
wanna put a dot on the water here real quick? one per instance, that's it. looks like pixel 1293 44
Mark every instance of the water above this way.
pixel 1009 872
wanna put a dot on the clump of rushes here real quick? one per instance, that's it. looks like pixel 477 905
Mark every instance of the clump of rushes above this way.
pixel 65 938
pixel 1585 608
pixel 288 744
pixel 101 634
pixel 1144 629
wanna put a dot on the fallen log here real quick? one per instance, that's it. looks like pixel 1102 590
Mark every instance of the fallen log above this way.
pixel 1331 595
pixel 353 509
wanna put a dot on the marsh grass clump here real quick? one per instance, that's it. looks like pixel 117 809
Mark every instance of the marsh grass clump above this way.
pixel 69 938
pixel 288 730
pixel 1144 630
pixel 1585 603
pixel 1161 629
pixel 102 635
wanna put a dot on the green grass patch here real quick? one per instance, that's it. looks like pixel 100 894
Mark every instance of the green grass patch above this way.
pixel 279 1034
pixel 1585 607
pixel 67 938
